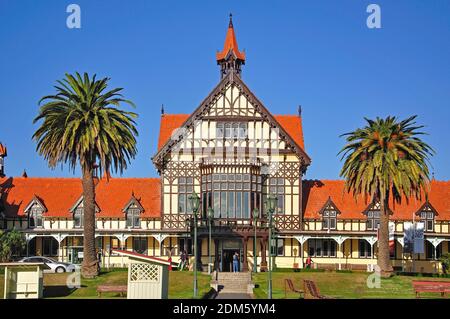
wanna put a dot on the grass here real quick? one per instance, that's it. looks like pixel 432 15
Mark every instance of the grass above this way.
pixel 180 285
pixel 341 285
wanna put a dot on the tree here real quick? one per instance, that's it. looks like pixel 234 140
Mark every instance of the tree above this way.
pixel 10 242
pixel 82 124
pixel 386 161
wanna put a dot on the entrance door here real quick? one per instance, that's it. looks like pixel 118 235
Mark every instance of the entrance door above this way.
pixel 227 248
pixel 227 259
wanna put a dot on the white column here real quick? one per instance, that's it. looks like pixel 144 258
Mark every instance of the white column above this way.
pixel 301 239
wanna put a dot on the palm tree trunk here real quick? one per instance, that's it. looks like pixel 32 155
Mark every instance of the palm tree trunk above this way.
pixel 89 265
pixel 383 259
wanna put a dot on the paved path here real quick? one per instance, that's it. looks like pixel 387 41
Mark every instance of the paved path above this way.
pixel 232 296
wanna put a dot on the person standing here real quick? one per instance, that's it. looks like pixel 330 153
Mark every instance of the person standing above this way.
pixel 308 262
pixel 235 262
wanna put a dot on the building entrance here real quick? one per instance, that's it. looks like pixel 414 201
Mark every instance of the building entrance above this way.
pixel 227 249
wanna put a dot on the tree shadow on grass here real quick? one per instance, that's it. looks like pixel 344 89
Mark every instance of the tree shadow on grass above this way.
pixel 58 291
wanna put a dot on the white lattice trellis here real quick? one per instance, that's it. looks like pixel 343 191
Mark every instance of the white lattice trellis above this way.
pixel 144 272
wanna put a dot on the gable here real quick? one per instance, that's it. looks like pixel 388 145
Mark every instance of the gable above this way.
pixel 231 100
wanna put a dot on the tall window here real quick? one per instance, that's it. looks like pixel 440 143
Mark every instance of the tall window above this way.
pixel 140 245
pixel 329 216
pixel 322 247
pixel 78 217
pixel 231 195
pixel 365 250
pixel 277 187
pixel 427 217
pixel 430 252
pixel 35 217
pixel 134 217
pixel 185 244
pixel 231 130
pixel 373 217
pixel 50 246
pixel 278 247
pixel 185 189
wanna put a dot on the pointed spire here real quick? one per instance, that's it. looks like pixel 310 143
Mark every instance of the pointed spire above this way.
pixel 299 110
pixel 162 109
pixel 3 150
pixel 24 174
pixel 230 58
pixel 3 154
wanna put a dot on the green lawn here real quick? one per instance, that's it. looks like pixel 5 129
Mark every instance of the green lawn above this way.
pixel 180 285
pixel 334 284
pixel 341 285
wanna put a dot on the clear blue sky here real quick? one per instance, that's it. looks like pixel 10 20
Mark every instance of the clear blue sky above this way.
pixel 318 54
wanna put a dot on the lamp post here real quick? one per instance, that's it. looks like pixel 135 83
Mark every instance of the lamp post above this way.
pixel 255 251
pixel 195 202
pixel 210 218
pixel 272 201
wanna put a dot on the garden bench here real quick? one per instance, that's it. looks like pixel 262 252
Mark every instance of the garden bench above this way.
pixel 312 291
pixel 108 288
pixel 442 287
pixel 288 284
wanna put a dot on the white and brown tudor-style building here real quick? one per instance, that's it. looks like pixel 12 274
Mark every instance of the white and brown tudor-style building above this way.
pixel 233 152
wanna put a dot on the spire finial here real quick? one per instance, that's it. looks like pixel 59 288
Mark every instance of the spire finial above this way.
pixel 230 25
pixel 24 174
pixel 162 109
pixel 299 110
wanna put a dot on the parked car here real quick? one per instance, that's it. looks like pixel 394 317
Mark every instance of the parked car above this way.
pixel 55 266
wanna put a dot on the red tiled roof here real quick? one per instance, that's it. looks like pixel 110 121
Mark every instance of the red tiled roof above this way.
pixel 292 124
pixel 58 195
pixel 113 195
pixel 317 192
pixel 169 123
pixel 230 45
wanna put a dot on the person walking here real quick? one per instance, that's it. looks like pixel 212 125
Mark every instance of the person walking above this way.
pixel 235 262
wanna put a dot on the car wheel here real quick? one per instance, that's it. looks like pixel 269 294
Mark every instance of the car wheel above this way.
pixel 60 270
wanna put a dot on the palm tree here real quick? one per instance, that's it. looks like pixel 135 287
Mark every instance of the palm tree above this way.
pixel 386 160
pixel 82 124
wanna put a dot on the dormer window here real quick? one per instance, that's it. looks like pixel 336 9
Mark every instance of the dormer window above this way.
pixel 133 211
pixel 133 218
pixel 35 217
pixel 329 216
pixel 34 211
pixel 78 213
pixel 78 216
pixel 373 217
pixel 427 216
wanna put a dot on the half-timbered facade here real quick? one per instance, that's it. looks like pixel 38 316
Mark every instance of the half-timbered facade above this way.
pixel 233 152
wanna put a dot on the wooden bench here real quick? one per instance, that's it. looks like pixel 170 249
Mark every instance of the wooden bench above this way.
pixel 442 287
pixel 312 291
pixel 120 289
pixel 289 285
